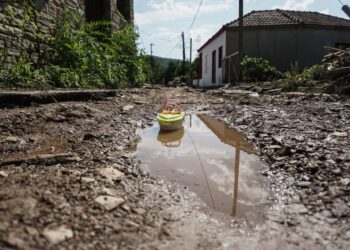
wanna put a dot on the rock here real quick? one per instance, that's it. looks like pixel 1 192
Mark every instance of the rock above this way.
pixel 139 211
pixel 278 139
pixel 14 240
pixel 18 205
pixel 304 184
pixel 57 235
pixel 10 139
pixel 340 134
pixel 111 174
pixel 337 171
pixel 299 138
pixel 128 108
pixel 296 209
pixel 345 181
pixel 109 202
pixel 88 180
pixel 3 174
pixel 140 102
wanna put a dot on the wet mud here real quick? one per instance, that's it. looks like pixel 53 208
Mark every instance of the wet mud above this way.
pixel 69 178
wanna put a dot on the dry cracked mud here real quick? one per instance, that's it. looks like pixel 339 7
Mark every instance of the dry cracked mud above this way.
pixel 68 179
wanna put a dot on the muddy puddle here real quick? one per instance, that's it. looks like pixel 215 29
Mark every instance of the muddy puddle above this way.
pixel 212 160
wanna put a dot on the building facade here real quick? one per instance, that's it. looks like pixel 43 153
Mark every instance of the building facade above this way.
pixel 47 13
pixel 282 37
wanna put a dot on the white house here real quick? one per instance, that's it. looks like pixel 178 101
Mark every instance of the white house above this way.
pixel 211 57
pixel 282 37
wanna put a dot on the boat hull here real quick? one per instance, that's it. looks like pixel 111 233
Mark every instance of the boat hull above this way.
pixel 170 123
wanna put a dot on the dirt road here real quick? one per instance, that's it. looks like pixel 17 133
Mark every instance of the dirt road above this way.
pixel 68 179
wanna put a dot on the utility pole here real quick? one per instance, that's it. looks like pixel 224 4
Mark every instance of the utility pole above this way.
pixel 183 54
pixel 190 62
pixel 151 62
pixel 183 46
pixel 240 38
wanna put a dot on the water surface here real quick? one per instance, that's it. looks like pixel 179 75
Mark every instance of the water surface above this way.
pixel 211 159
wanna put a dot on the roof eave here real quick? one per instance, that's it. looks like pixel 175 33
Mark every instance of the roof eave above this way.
pixel 216 35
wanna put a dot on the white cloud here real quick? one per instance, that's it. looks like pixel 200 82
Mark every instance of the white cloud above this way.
pixel 295 5
pixel 171 10
pixel 326 11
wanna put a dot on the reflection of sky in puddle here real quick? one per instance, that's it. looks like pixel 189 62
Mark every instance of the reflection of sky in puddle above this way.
pixel 203 158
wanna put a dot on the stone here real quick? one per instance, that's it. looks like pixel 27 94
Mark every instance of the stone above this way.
pixel 337 171
pixel 345 181
pixel 58 235
pixel 278 139
pixel 304 184
pixel 299 138
pixel 111 174
pixel 87 180
pixel 128 108
pixel 3 174
pixel 139 211
pixel 296 209
pixel 340 134
pixel 11 139
pixel 109 202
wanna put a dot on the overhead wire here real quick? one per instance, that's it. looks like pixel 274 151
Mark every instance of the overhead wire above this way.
pixel 201 163
pixel 189 28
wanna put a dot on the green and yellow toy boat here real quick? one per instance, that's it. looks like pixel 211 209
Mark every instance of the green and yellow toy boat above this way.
pixel 170 117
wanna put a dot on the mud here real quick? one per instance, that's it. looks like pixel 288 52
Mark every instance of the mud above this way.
pixel 56 203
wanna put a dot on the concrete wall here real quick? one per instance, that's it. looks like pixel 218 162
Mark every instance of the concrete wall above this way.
pixel 49 11
pixel 283 46
pixel 206 80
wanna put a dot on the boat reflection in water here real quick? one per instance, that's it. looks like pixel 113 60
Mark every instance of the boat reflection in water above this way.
pixel 213 160
pixel 171 139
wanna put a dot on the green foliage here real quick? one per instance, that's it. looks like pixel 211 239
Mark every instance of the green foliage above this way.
pixel 258 69
pixel 79 54
pixel 310 77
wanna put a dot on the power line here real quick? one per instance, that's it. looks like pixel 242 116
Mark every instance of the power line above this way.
pixel 172 48
pixel 340 2
pixel 155 37
pixel 195 17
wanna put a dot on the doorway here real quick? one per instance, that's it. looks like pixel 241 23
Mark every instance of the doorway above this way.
pixel 213 68
pixel 98 10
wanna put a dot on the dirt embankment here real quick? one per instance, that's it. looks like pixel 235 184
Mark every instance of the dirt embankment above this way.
pixel 68 180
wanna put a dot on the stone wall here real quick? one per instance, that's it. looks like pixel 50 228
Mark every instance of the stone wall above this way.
pixel 15 33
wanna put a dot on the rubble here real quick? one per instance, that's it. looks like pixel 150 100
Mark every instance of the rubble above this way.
pixel 337 64
pixel 109 202
pixel 57 235
pixel 103 200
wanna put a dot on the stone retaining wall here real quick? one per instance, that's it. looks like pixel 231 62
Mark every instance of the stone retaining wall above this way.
pixel 14 35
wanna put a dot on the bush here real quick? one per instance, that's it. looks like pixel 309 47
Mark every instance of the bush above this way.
pixel 258 69
pixel 80 55
pixel 310 77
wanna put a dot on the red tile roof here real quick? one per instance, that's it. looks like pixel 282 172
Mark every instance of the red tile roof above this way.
pixel 288 17
pixel 266 18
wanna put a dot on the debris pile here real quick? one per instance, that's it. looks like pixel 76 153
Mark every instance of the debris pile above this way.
pixel 337 63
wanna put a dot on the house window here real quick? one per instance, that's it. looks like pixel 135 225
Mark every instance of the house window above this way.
pixel 200 66
pixel 124 8
pixel 213 67
pixel 206 65
pixel 98 10
pixel 220 58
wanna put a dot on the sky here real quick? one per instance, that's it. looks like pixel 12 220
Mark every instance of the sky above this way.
pixel 161 22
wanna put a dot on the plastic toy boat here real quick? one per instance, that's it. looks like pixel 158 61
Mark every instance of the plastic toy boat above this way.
pixel 170 116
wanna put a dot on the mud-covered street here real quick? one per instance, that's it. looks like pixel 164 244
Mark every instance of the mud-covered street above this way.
pixel 69 178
